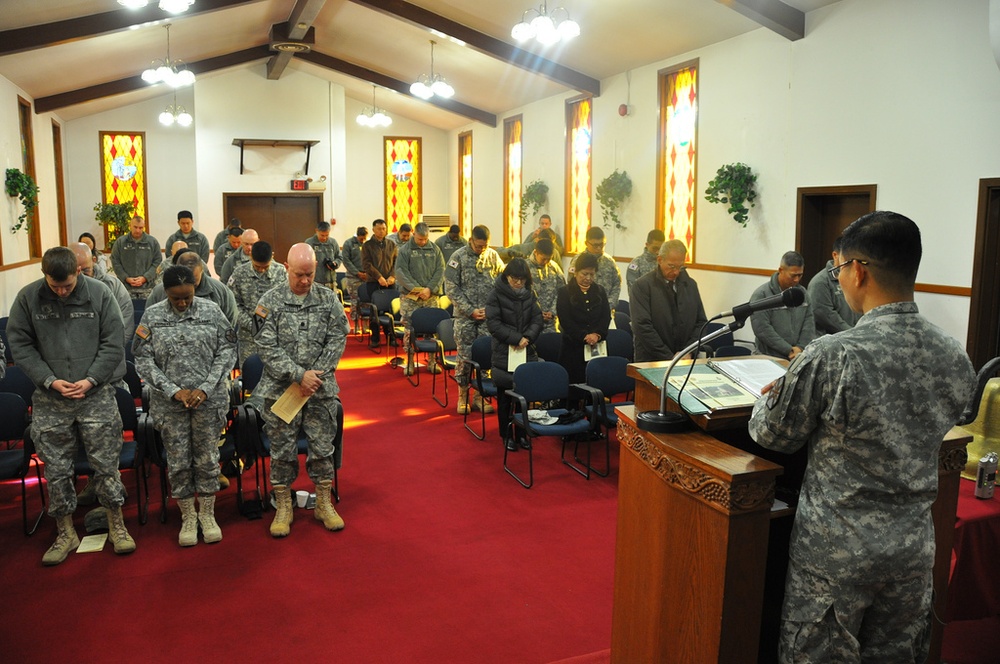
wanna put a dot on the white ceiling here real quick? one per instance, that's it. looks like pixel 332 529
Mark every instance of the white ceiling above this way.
pixel 616 36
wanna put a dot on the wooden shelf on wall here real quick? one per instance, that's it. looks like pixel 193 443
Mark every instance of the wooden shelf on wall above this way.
pixel 243 143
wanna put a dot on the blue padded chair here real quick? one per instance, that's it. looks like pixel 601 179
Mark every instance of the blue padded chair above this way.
pixel 17 382
pixel 385 315
pixel 424 322
pixel 732 351
pixel 549 346
pixel 447 357
pixel 15 463
pixel 482 361
pixel 623 306
pixel 620 344
pixel 623 321
pixel 608 376
pixel 540 382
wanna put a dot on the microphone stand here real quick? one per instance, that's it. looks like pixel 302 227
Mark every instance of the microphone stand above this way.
pixel 664 421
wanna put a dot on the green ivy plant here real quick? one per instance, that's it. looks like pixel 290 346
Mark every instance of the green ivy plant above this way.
pixel 612 194
pixel 734 184
pixel 535 195
pixel 21 185
pixel 116 217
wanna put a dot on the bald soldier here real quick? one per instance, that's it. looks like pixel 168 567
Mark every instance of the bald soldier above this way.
pixel 85 263
pixel 300 332
pixel 247 240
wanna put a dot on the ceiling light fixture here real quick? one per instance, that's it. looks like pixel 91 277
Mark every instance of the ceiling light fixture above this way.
pixel 546 28
pixel 176 113
pixel 426 86
pixel 172 72
pixel 373 117
pixel 169 6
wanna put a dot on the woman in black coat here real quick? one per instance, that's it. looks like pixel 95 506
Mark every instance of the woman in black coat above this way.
pixel 514 318
pixel 584 316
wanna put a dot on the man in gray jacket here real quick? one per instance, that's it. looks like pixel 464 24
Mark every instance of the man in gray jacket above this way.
pixel 783 332
pixel 205 286
pixel 65 332
pixel 420 278
pixel 134 258
pixel 830 308
pixel 186 233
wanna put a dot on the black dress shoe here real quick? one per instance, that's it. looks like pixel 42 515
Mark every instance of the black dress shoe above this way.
pixel 511 445
pixel 524 443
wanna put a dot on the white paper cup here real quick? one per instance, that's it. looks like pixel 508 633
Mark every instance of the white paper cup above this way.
pixel 301 497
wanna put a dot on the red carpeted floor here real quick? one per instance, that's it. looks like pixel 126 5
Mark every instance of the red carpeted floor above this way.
pixel 444 559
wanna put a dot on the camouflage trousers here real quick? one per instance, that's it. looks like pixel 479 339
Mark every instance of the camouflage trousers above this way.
pixel 140 293
pixel 59 425
pixel 466 332
pixel 245 346
pixel 318 421
pixel 823 621
pixel 191 442
pixel 406 309
pixel 351 286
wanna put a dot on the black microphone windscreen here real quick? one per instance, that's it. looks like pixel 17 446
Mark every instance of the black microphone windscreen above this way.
pixel 793 297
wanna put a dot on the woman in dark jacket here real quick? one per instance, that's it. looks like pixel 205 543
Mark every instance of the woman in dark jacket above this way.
pixel 514 318
pixel 584 316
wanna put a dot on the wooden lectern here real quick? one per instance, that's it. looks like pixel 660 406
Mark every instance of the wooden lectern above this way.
pixel 693 529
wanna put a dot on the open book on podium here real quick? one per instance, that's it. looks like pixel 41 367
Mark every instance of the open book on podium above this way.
pixel 717 384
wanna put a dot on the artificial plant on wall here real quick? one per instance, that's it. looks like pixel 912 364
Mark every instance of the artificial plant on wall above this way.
pixel 115 217
pixel 535 195
pixel 21 185
pixel 734 184
pixel 612 193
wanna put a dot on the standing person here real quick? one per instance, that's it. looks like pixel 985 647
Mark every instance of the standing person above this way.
pixel 354 275
pixel 783 332
pixel 65 332
pixel 584 315
pixel 229 246
pixel 545 223
pixel 378 262
pixel 186 233
pixel 547 277
pixel 204 286
pixel 420 275
pixel 830 309
pixel 515 321
pixel 135 257
pixel 223 236
pixel 327 255
pixel 667 312
pixel 301 334
pixel 184 350
pixel 645 262
pixel 402 236
pixel 872 412
pixel 237 258
pixel 468 281
pixel 249 283
pixel 450 242
pixel 102 261
pixel 85 263
pixel 608 276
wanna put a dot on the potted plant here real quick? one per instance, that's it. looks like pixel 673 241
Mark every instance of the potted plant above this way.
pixel 733 184
pixel 115 217
pixel 535 195
pixel 611 194
pixel 21 185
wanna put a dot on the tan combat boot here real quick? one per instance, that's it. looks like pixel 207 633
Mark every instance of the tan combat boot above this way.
pixel 479 403
pixel 282 523
pixel 463 402
pixel 210 530
pixel 117 532
pixel 66 541
pixel 189 522
pixel 89 494
pixel 324 508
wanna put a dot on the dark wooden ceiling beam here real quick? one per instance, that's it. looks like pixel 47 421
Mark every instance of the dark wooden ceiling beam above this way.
pixel 133 83
pixel 74 29
pixel 300 20
pixel 774 15
pixel 486 44
pixel 402 87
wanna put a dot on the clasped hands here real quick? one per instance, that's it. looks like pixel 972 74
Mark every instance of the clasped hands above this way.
pixel 191 398
pixel 311 382
pixel 76 390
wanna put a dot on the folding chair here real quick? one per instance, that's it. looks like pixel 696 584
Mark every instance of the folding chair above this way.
pixel 608 376
pixel 15 463
pixel 549 346
pixel 447 357
pixel 482 361
pixel 424 322
pixel 620 344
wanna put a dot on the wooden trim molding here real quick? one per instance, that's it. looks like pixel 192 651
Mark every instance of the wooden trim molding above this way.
pixel 14 266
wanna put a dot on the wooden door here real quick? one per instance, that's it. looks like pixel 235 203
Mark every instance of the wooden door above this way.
pixel 280 219
pixel 822 214
pixel 983 342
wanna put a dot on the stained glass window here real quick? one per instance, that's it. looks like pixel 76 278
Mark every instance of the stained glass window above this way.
pixel 512 179
pixel 579 139
pixel 402 181
pixel 676 172
pixel 465 183
pixel 123 168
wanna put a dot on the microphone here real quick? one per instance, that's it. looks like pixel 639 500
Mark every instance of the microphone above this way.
pixel 790 298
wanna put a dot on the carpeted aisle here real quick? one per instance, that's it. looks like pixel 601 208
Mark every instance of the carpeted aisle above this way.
pixel 444 559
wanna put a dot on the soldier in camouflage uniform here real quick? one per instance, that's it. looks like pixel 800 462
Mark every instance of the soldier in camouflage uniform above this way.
pixel 547 278
pixel 328 257
pixel 205 286
pixel 249 283
pixel 85 261
pixel 184 349
pixel 468 281
pixel 237 258
pixel 645 262
pixel 609 277
pixel 873 412
pixel 135 257
pixel 301 332
pixel 354 276
pixel 450 242
pixel 65 332
pixel 420 277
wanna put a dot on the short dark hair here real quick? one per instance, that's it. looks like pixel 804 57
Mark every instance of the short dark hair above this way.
pixel 235 231
pixel 88 236
pixel 59 263
pixel 405 228
pixel 177 275
pixel 422 229
pixel 185 214
pixel 655 235
pixel 454 229
pixel 545 216
pixel 235 222
pixel 180 252
pixel 792 259
pixel 545 246
pixel 322 226
pixel 595 233
pixel 261 251
pixel 838 243
pixel 377 222
pixel 362 230
pixel 481 232
pixel 891 242
pixel 547 234
pixel 517 268
pixel 584 261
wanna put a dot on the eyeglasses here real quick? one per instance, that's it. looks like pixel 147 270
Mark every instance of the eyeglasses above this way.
pixel 674 268
pixel 835 270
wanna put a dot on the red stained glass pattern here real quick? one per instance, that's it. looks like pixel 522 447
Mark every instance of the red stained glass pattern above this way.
pixel 512 181
pixel 402 181
pixel 680 120
pixel 580 136
pixel 123 171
